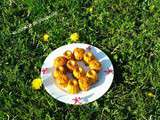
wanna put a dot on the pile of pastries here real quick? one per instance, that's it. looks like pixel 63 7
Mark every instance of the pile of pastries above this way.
pixel 69 63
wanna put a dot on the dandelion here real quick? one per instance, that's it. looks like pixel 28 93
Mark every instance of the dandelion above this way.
pixel 74 37
pixel 90 9
pixel 150 94
pixel 45 37
pixel 36 83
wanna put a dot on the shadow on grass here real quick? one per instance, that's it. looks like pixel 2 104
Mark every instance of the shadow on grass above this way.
pixel 117 74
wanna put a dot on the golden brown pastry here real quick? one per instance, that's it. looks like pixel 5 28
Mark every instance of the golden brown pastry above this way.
pixel 72 64
pixel 84 83
pixel 78 72
pixel 78 53
pixel 92 75
pixel 58 71
pixel 59 61
pixel 62 81
pixel 88 57
pixel 73 86
pixel 68 54
pixel 83 80
pixel 95 65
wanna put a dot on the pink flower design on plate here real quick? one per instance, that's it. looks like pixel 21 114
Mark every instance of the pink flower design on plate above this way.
pixel 108 71
pixel 89 48
pixel 77 100
pixel 44 70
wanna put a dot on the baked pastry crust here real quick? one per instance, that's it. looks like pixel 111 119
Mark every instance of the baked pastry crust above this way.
pixel 78 53
pixel 92 75
pixel 60 61
pixel 84 83
pixel 95 65
pixel 62 81
pixel 78 72
pixel 58 71
pixel 72 64
pixel 68 55
pixel 73 86
pixel 88 57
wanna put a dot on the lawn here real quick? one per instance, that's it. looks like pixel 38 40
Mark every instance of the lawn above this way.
pixel 128 31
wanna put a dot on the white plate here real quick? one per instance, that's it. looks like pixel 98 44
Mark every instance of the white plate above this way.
pixel 97 90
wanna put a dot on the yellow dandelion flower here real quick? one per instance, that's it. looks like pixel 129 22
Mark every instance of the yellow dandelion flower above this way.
pixel 45 37
pixel 90 9
pixel 36 83
pixel 74 37
pixel 150 94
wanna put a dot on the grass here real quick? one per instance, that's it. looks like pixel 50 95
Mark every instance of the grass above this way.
pixel 126 30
